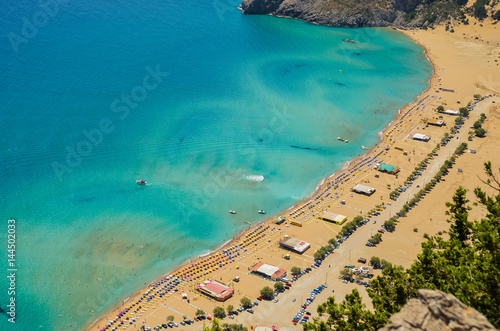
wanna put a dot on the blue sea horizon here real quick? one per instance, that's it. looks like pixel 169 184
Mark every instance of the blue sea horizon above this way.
pixel 196 99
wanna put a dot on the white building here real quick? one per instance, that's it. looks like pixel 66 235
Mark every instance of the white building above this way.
pixel 421 137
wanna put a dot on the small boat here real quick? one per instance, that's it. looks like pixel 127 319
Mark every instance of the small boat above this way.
pixel 232 212
pixel 365 148
pixel 342 139
pixel 262 211
pixel 141 182
pixel 350 41
pixel 246 222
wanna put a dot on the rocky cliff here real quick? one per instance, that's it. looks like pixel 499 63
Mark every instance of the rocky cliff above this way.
pixel 348 13
pixel 436 310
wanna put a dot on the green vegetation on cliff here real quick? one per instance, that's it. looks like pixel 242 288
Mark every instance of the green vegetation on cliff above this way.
pixel 396 13
pixel 466 265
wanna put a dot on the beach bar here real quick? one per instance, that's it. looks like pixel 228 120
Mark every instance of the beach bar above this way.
pixel 267 270
pixel 363 189
pixel 421 137
pixel 436 123
pixel 295 245
pixel 216 290
pixel 280 220
pixel 335 218
pixel 390 169
pixel 451 112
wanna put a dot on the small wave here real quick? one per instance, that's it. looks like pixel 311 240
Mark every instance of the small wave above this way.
pixel 205 253
pixel 255 178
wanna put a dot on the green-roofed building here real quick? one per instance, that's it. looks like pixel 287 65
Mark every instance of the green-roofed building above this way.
pixel 280 220
pixel 388 168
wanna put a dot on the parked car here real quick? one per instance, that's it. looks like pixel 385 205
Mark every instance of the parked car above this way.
pixel 250 311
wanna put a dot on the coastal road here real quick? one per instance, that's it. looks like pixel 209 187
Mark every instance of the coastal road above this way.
pixel 281 313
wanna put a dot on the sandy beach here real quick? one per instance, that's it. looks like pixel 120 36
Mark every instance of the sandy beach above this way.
pixel 465 63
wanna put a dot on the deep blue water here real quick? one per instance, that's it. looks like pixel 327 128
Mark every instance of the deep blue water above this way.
pixel 191 96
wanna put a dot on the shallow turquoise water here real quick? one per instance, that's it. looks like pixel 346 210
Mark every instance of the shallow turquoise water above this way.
pixel 244 95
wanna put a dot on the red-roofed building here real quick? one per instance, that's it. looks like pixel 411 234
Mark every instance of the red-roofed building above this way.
pixel 216 290
pixel 268 270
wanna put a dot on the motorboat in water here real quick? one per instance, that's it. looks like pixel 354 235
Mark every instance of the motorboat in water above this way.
pixel 141 182
pixel 262 211
pixel 342 139
pixel 232 212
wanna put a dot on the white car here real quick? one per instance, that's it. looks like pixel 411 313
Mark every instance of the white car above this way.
pixel 374 222
pixel 275 300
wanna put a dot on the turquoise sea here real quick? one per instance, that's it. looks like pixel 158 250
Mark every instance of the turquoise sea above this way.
pixel 191 96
